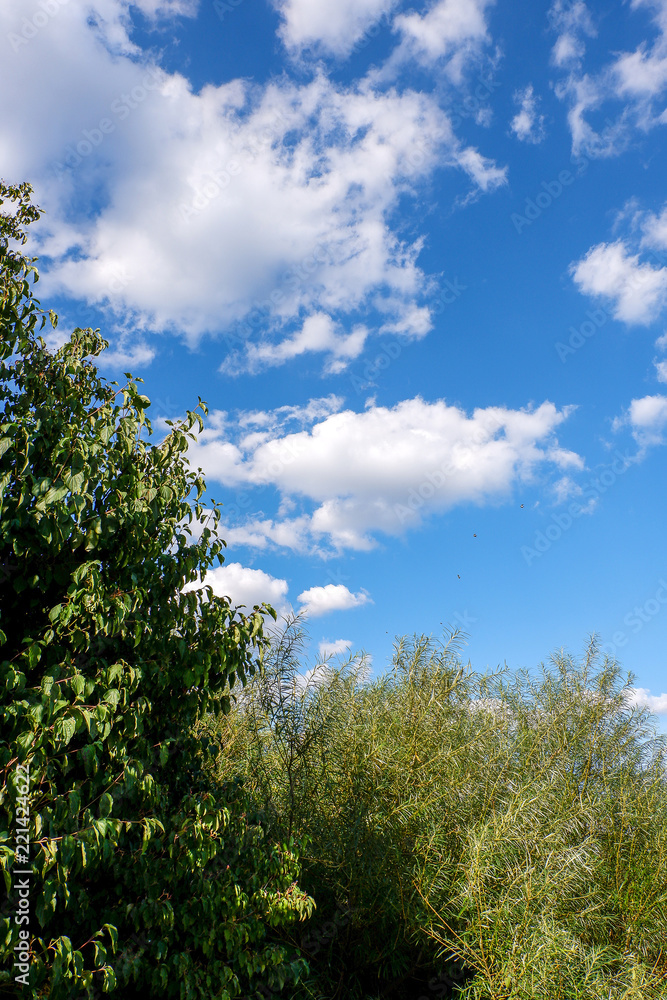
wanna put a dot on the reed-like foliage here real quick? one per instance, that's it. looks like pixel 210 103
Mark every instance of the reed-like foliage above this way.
pixel 516 824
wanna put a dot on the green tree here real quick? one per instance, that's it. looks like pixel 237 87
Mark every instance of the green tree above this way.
pixel 145 878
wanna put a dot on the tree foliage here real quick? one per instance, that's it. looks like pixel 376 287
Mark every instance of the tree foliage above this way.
pixel 512 829
pixel 144 875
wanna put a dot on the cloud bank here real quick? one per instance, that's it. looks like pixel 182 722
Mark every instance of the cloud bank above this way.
pixel 383 470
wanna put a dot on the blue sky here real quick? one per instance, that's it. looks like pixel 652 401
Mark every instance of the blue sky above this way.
pixel 414 257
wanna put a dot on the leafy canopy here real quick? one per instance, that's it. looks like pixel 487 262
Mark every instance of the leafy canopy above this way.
pixel 145 875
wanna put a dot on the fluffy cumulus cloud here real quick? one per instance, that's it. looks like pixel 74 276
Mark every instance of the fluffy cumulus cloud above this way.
pixel 242 585
pixel 247 587
pixel 636 290
pixel 353 475
pixel 528 124
pixel 636 78
pixel 647 419
pixel 642 698
pixel 336 647
pixel 234 209
pixel 332 597
pixel 333 27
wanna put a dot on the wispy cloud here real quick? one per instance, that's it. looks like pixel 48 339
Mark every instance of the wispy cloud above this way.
pixel 528 123
pixel 636 79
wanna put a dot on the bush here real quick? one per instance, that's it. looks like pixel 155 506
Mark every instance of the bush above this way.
pixel 516 827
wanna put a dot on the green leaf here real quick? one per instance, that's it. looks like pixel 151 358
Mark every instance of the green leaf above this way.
pixel 34 654
pixel 78 685
pixel 112 697
pixel 64 729
pixel 109 979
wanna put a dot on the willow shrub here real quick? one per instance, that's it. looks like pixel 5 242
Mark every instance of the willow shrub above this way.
pixel 144 878
pixel 514 825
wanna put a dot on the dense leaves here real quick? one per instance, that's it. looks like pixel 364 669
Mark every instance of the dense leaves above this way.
pixel 144 875
pixel 512 829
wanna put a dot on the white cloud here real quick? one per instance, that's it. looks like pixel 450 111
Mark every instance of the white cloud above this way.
pixel 381 470
pixel 261 533
pixel 245 586
pixel 642 698
pixel 572 21
pixel 234 209
pixel 330 26
pixel 248 587
pixel 335 648
pixel 647 418
pixel 643 72
pixel 319 333
pixel 332 597
pixel 282 416
pixel 661 371
pixel 454 30
pixel 484 172
pixel 637 291
pixel 655 230
pixel 528 123
pixel 130 356
pixel 167 8
pixel 637 78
